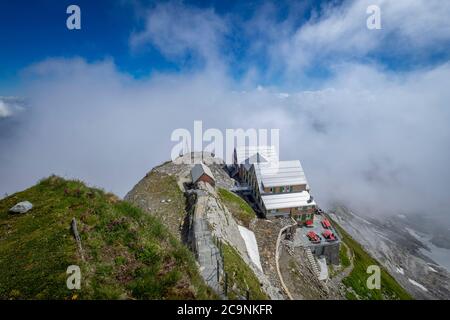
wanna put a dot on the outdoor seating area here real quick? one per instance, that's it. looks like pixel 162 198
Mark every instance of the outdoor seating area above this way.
pixel 317 232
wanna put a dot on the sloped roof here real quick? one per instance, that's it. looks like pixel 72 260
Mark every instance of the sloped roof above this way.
pixel 198 170
pixel 255 154
pixel 287 200
pixel 281 173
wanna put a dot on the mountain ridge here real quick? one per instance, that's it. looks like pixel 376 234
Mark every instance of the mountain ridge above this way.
pixel 161 201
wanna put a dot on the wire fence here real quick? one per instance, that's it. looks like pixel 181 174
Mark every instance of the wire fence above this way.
pixel 222 274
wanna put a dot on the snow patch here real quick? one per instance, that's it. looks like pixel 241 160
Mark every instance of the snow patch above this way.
pixel 414 234
pixel 437 254
pixel 322 262
pixel 362 219
pixel 400 270
pixel 251 245
pixel 418 285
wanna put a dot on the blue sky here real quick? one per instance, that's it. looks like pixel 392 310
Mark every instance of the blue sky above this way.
pixel 366 111
pixel 35 30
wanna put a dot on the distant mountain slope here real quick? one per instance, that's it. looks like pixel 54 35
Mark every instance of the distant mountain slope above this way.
pixel 128 254
pixel 356 279
pixel 392 241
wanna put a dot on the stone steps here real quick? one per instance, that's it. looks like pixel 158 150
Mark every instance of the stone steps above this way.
pixel 312 262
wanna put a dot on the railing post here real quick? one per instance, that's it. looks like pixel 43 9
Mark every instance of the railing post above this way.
pixel 225 288
pixel 218 270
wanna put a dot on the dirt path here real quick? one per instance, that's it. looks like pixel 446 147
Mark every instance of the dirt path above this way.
pixel 266 233
pixel 346 272
pixel 277 258
pixel 337 288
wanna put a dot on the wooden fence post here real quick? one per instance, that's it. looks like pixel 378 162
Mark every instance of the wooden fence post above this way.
pixel 73 226
pixel 218 270
pixel 226 284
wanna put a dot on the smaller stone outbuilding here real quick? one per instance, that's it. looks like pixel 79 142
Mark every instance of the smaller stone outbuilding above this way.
pixel 201 172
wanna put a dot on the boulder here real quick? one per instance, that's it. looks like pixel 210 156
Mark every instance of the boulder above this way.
pixel 21 207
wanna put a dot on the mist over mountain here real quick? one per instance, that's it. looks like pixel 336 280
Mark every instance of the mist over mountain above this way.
pixel 369 131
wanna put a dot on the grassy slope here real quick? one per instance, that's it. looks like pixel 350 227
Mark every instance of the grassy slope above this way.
pixel 240 277
pixel 390 289
pixel 343 256
pixel 240 209
pixel 154 188
pixel 129 254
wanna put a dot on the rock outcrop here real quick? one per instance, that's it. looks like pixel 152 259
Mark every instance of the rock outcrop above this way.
pixel 21 207
pixel 148 195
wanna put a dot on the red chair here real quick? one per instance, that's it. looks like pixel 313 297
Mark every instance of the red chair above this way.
pixel 313 237
pixel 326 223
pixel 328 235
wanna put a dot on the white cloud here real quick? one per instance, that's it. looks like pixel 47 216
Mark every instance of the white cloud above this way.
pixel 10 106
pixel 339 33
pixel 176 30
pixel 4 110
pixel 376 140
pixel 373 139
pixel 335 33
